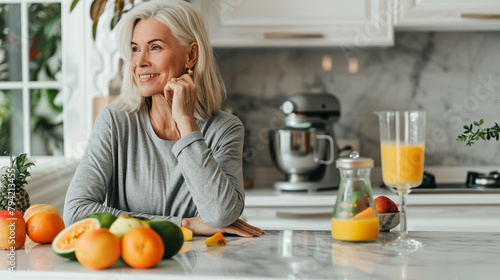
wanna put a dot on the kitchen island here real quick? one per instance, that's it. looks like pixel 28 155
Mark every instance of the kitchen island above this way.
pixel 290 254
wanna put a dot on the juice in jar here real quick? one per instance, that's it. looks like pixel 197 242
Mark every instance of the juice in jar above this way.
pixel 355 230
pixel 402 164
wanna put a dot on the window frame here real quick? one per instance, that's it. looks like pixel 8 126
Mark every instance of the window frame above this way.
pixel 87 68
pixel 25 85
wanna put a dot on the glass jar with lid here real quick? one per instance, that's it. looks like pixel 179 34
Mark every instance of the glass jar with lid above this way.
pixel 354 216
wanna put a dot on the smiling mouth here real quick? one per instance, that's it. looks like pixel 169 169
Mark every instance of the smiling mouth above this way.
pixel 148 76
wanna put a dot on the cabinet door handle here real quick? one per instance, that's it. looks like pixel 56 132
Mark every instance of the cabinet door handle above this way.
pixel 271 35
pixel 481 16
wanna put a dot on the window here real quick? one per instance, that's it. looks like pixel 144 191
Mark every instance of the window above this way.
pixel 31 99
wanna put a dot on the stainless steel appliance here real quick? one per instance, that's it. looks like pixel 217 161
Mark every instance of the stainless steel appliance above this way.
pixel 306 149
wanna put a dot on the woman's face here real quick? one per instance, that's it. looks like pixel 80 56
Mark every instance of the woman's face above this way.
pixel 157 57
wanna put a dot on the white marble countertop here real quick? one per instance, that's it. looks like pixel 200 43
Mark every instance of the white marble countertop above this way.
pixel 291 255
pixel 268 197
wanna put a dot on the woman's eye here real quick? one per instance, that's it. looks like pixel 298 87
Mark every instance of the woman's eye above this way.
pixel 135 49
pixel 155 48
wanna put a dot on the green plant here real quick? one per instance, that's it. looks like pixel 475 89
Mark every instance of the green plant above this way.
pixel 97 9
pixel 5 119
pixel 46 121
pixel 469 135
pixel 45 41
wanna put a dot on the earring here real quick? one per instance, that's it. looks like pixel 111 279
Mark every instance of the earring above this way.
pixel 190 72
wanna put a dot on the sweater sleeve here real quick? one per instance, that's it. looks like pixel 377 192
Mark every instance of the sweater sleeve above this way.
pixel 214 176
pixel 87 192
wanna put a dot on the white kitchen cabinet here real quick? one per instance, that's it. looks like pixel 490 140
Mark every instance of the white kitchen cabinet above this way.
pixel 442 15
pixel 298 23
pixel 272 210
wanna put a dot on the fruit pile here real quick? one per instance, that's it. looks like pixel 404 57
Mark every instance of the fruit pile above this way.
pixel 100 239
pixel 41 223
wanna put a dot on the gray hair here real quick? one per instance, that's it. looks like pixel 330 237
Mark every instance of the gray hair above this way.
pixel 187 25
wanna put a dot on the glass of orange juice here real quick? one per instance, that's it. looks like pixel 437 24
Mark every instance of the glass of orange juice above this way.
pixel 402 146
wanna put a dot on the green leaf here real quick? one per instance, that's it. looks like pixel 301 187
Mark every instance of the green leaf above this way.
pixel 97 9
pixel 73 5
pixel 481 122
pixel 94 30
pixel 114 21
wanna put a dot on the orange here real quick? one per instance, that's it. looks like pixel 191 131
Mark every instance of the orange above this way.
pixel 368 213
pixel 44 226
pixel 142 247
pixel 97 249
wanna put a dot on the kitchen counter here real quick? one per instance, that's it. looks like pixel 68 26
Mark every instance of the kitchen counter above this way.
pixel 291 255
pixel 273 210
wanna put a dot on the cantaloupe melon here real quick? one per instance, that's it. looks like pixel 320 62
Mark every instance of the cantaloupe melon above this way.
pixel 64 243
pixel 216 240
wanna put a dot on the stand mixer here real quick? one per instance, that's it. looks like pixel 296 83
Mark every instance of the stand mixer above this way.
pixel 306 150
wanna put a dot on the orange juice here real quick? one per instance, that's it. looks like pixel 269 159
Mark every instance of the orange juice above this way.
pixel 355 230
pixel 402 165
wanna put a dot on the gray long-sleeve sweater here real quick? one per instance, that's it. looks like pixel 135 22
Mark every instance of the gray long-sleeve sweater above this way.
pixel 127 169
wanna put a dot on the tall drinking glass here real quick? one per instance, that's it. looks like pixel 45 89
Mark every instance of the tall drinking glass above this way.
pixel 402 143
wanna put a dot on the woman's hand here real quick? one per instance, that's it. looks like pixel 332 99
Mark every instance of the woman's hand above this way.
pixel 182 92
pixel 239 227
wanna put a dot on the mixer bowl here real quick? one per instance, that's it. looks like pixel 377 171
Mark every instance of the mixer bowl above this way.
pixel 293 151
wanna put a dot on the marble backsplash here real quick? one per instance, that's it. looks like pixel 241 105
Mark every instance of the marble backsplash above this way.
pixel 454 77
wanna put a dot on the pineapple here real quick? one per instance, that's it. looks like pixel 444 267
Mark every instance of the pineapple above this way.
pixel 12 182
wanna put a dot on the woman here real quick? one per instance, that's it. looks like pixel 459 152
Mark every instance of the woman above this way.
pixel 164 149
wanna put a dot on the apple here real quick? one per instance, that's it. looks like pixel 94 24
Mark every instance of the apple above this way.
pixel 12 229
pixel 383 204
